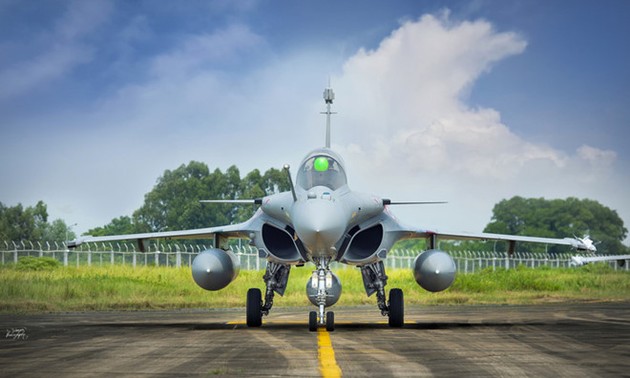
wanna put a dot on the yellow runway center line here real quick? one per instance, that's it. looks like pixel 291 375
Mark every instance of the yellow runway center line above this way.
pixel 327 364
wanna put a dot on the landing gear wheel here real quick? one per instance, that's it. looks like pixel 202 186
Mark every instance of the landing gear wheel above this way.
pixel 330 321
pixel 312 321
pixel 254 308
pixel 396 308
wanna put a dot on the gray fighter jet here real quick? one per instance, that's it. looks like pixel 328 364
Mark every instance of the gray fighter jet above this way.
pixel 321 220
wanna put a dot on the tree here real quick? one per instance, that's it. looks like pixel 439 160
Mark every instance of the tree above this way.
pixel 58 231
pixel 18 223
pixel 173 203
pixel 559 219
pixel 118 226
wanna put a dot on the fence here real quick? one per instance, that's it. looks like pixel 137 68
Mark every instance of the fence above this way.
pixel 178 255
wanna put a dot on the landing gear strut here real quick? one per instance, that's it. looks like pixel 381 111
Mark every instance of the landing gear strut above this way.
pixel 276 277
pixel 322 280
pixel 374 281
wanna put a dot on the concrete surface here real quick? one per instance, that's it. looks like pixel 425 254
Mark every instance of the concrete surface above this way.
pixel 566 340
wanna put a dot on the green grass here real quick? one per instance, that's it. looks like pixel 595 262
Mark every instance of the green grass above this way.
pixel 40 286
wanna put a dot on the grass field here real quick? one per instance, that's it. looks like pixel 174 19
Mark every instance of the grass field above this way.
pixel 37 287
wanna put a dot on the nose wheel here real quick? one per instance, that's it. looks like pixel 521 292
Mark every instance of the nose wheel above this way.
pixel 313 324
pixel 312 321
pixel 330 321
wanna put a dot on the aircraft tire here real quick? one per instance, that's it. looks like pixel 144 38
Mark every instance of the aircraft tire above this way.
pixel 312 321
pixel 396 308
pixel 254 305
pixel 330 321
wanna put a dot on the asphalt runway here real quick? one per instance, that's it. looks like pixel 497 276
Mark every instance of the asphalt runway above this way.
pixel 576 340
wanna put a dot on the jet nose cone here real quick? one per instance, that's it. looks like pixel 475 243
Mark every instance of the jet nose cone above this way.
pixel 319 224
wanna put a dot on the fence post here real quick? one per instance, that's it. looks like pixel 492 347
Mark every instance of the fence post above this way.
pixel 65 257
pixel 466 262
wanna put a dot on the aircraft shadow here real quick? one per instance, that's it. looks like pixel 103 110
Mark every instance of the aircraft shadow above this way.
pixel 216 326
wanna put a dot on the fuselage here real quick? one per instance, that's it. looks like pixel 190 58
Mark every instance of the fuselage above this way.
pixel 325 208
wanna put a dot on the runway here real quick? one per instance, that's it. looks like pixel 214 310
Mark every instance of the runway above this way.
pixel 567 340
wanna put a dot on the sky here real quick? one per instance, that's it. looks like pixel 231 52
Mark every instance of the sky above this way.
pixel 470 102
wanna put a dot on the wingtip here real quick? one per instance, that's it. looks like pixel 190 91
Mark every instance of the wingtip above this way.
pixel 77 242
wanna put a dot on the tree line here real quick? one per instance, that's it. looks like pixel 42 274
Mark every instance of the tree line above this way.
pixel 19 223
pixel 173 204
pixel 559 218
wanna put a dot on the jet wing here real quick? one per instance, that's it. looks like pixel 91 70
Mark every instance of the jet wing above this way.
pixel 241 230
pixel 510 238
pixel 434 236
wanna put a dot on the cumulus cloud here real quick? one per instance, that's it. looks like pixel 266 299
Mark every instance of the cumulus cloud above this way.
pixel 409 96
pixel 414 85
pixel 405 126
pixel 420 139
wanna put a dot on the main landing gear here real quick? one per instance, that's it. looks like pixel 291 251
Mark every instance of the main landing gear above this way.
pixel 324 291
pixel 374 281
pixel 276 278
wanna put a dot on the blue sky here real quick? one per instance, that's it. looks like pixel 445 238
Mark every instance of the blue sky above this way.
pixel 467 101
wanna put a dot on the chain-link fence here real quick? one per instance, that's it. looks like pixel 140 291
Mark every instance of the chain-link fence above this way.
pixel 181 254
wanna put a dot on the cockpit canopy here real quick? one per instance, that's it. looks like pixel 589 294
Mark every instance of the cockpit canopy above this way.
pixel 320 168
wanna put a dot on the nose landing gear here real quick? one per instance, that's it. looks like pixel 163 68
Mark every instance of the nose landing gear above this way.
pixel 322 280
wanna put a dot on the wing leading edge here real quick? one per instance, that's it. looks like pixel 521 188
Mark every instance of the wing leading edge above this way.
pixel 434 236
pixel 218 234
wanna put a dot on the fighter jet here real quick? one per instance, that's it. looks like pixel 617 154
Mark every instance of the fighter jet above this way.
pixel 320 221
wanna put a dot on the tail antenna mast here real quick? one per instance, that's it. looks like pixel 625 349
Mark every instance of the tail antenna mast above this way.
pixel 329 96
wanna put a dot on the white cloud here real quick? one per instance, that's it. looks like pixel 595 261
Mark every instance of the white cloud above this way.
pixel 404 125
pixel 81 18
pixel 204 52
pixel 57 52
pixel 49 65
pixel 412 91
pixel 194 109
pixel 420 139
pixel 596 156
